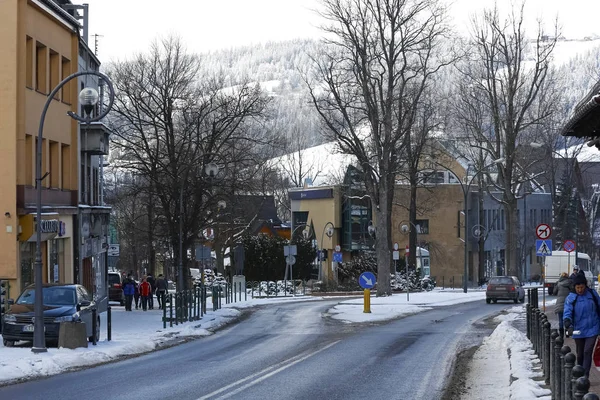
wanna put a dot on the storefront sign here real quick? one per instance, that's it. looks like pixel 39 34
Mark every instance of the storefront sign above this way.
pixel 312 194
pixel 49 227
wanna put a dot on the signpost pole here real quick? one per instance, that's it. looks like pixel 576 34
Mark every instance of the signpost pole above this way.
pixel 544 284
pixel 367 307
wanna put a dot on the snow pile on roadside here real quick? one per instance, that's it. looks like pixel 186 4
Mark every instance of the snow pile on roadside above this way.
pixel 133 333
pixel 506 349
pixel 396 306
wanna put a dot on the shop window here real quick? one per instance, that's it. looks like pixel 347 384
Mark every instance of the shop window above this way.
pixel 41 68
pixel 29 63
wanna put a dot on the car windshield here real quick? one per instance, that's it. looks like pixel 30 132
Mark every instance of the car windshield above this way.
pixel 53 296
pixel 503 280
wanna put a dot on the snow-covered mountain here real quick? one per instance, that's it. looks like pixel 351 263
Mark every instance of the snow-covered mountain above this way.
pixel 279 68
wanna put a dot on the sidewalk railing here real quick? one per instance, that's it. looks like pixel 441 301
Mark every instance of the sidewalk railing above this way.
pixel 566 380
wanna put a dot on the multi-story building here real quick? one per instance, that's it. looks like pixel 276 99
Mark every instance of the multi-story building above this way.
pixel 39 44
pixel 42 45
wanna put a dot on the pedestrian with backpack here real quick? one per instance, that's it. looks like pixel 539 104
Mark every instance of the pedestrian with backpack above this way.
pixel 581 320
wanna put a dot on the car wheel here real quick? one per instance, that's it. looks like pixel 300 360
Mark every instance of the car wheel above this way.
pixel 488 301
pixel 495 300
pixel 91 338
pixel 8 343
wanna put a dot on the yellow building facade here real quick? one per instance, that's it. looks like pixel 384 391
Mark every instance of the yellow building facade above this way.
pixel 39 47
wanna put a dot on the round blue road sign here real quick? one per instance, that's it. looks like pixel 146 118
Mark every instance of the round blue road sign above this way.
pixel 367 280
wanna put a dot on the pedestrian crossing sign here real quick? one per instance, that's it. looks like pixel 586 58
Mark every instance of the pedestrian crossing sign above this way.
pixel 543 247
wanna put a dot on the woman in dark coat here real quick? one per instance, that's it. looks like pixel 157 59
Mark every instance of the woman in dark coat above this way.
pixel 561 291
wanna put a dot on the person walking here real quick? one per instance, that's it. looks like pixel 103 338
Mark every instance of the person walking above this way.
pixel 145 292
pixel 561 291
pixel 581 321
pixel 162 287
pixel 152 282
pixel 128 291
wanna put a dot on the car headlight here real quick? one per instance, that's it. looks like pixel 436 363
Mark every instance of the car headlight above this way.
pixel 66 318
pixel 10 318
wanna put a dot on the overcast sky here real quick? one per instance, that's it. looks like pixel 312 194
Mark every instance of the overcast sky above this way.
pixel 128 26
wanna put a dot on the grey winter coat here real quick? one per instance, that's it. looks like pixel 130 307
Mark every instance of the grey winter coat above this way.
pixel 561 291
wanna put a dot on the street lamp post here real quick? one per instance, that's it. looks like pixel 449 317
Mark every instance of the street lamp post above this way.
pixel 88 98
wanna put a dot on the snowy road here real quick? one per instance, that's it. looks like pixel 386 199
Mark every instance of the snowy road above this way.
pixel 287 351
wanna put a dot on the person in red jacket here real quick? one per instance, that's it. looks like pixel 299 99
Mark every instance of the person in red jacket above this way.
pixel 145 292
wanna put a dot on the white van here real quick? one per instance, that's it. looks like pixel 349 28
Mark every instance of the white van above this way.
pixel 562 261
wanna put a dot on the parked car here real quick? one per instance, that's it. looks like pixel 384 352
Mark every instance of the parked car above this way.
pixel 62 303
pixel 504 288
pixel 115 289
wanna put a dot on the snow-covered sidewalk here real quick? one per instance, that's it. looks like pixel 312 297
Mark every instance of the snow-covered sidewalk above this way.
pixel 139 332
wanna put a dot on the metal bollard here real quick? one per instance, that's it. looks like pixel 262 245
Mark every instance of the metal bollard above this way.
pixel 558 343
pixel 581 388
pixel 569 364
pixel 164 311
pixel 171 310
pixel 94 325
pixel 563 384
pixel 547 350
pixel 591 396
pixel 528 317
pixel 553 336
pixel 576 373
pixel 108 324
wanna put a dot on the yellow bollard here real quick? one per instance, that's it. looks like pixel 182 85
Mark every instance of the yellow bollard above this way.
pixel 367 301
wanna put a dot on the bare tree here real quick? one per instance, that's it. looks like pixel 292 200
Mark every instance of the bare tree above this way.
pixel 169 123
pixel 380 57
pixel 505 81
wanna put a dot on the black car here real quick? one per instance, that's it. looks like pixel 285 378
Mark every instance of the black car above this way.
pixel 115 289
pixel 504 288
pixel 62 303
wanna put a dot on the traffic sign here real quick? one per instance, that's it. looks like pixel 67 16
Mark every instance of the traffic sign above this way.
pixel 367 280
pixel 543 248
pixel 543 231
pixel 291 250
pixel 337 256
pixel 396 246
pixel 395 255
pixel 569 246
pixel 290 260
pixel 338 248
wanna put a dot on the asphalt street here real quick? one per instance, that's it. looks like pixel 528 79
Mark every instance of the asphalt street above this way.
pixel 287 351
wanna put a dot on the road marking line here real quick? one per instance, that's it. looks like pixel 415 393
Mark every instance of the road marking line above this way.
pixel 288 363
